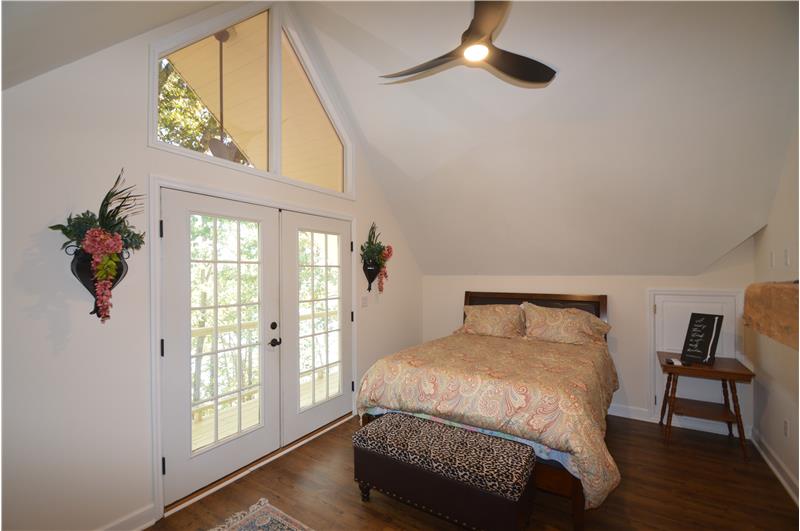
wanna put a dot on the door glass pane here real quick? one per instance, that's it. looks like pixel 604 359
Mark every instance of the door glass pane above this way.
pixel 225 318
pixel 318 329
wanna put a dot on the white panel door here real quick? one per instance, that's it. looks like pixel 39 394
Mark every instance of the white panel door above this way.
pixel 316 353
pixel 671 321
pixel 220 376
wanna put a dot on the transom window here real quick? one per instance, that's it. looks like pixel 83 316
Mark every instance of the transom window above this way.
pixel 214 100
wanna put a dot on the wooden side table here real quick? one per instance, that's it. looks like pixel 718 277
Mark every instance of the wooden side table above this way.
pixel 727 370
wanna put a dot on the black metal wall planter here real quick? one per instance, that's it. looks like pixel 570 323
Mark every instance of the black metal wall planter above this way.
pixel 374 256
pixel 81 267
pixel 100 244
pixel 371 271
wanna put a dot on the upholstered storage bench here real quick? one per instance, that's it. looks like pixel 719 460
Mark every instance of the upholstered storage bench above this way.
pixel 467 477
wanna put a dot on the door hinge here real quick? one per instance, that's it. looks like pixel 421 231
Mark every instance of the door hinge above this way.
pixel 163 466
pixel 353 385
pixel 654 309
pixel 162 348
pixel 351 246
pixel 352 317
pixel 160 228
pixel 655 399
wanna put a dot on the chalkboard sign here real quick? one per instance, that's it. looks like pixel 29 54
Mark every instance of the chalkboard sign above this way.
pixel 701 338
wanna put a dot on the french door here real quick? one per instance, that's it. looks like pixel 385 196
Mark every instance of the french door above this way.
pixel 315 294
pixel 255 353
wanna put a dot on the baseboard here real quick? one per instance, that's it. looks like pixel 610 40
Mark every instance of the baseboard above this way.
pixel 784 475
pixel 629 412
pixel 640 413
pixel 141 518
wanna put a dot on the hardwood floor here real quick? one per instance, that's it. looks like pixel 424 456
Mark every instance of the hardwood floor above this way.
pixel 698 481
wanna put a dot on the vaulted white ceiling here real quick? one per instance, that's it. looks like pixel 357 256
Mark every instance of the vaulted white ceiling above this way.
pixel 655 150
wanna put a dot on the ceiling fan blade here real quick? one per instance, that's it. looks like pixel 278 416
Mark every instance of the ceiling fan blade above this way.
pixel 433 63
pixel 519 67
pixel 487 18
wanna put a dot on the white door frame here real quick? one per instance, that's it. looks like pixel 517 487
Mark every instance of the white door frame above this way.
pixel 738 295
pixel 157 182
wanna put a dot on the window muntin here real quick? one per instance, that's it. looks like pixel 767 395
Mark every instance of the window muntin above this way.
pixel 319 329
pixel 311 150
pixel 191 81
pixel 225 328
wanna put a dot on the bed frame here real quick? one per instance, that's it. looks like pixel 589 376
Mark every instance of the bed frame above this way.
pixel 550 476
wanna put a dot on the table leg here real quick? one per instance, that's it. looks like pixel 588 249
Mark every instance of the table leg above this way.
pixel 664 401
pixel 727 405
pixel 672 390
pixel 738 413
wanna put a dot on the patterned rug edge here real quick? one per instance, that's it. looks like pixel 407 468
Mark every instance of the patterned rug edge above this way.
pixel 262 506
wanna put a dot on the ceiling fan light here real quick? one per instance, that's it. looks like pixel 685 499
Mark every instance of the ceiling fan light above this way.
pixel 476 52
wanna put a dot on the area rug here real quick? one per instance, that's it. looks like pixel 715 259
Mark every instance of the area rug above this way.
pixel 261 517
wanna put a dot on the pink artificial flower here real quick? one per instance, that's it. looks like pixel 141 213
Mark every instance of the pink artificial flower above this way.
pixel 388 251
pixel 100 243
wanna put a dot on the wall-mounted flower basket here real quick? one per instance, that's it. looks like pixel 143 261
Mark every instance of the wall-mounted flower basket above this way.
pixel 81 268
pixel 374 256
pixel 100 243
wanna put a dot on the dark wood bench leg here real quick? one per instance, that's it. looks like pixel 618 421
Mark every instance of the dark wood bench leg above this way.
pixel 578 506
pixel 364 487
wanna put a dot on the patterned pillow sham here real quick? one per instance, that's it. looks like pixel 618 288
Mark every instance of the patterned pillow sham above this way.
pixel 563 325
pixel 499 320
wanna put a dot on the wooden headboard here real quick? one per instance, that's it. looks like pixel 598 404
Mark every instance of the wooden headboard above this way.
pixel 594 304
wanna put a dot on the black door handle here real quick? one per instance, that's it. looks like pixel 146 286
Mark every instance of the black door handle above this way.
pixel 275 342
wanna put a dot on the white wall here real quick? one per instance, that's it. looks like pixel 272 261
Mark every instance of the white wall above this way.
pixel 776 365
pixel 628 314
pixel 76 393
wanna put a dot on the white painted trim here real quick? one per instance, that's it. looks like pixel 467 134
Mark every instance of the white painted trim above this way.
pixel 779 468
pixel 643 414
pixel 738 295
pixel 255 467
pixel 279 18
pixel 630 412
pixel 154 212
pixel 154 203
pixel 186 186
pixel 141 518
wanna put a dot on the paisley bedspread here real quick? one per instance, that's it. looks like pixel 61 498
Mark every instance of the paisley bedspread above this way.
pixel 555 394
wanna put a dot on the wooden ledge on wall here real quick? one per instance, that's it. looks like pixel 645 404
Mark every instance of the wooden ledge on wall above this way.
pixel 770 308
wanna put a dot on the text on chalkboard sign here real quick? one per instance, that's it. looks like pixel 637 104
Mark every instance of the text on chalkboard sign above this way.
pixel 702 337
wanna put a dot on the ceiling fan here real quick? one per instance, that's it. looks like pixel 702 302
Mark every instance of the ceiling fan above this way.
pixel 477 48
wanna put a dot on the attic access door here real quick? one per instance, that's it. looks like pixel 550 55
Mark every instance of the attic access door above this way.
pixel 670 321
pixel 220 386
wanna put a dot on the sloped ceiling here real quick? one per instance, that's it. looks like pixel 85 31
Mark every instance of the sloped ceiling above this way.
pixel 41 36
pixel 655 150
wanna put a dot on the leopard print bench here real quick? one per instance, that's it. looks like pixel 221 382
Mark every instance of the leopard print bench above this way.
pixel 473 479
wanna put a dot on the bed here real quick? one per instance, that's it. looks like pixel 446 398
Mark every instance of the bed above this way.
pixel 551 396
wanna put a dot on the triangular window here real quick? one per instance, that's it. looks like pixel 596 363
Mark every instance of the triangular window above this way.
pixel 311 150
